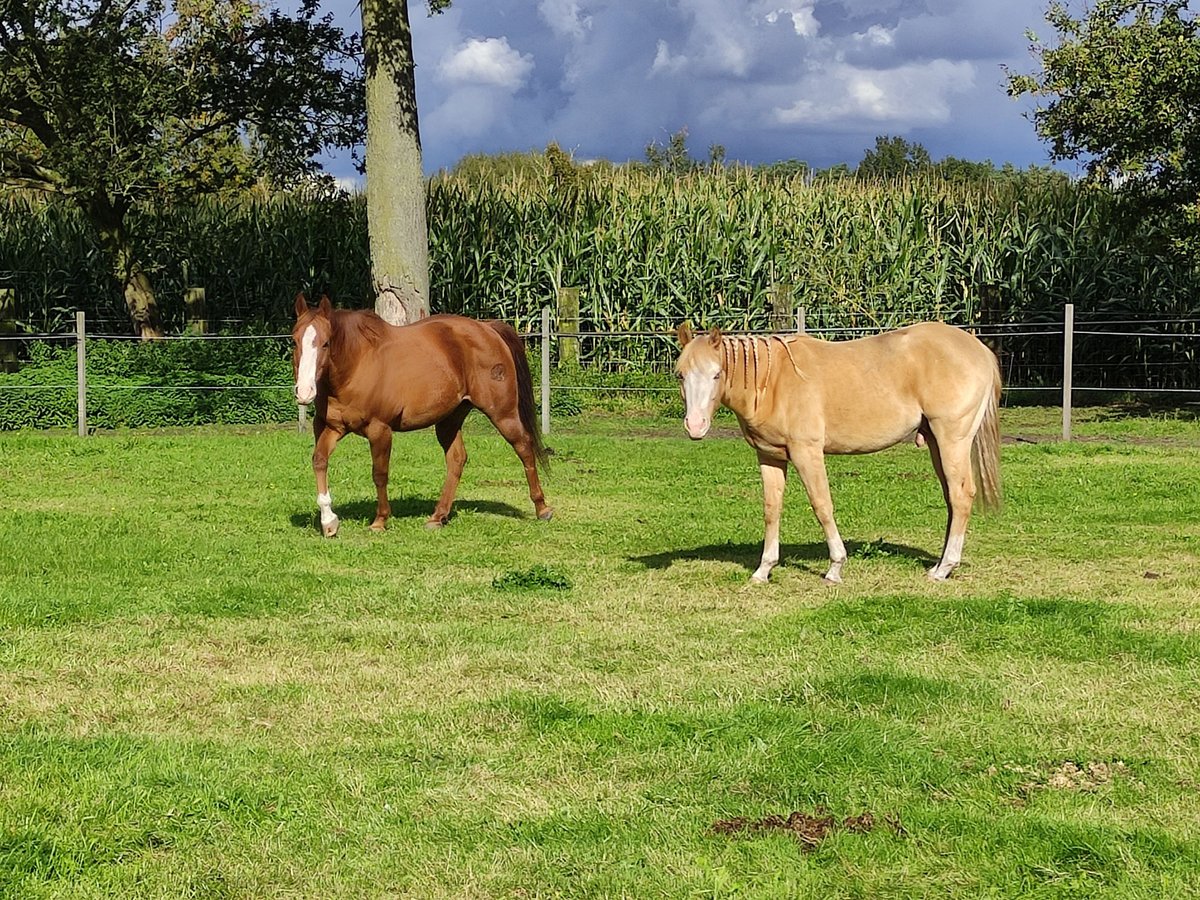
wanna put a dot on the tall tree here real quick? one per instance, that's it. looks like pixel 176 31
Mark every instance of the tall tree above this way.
pixel 675 157
pixel 114 104
pixel 893 157
pixel 396 225
pixel 1123 84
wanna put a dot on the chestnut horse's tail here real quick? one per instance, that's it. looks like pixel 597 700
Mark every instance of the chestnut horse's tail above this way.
pixel 526 408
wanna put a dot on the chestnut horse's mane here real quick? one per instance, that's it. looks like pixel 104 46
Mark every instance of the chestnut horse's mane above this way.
pixel 355 331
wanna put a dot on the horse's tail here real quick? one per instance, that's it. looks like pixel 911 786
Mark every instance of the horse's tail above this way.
pixel 526 408
pixel 985 448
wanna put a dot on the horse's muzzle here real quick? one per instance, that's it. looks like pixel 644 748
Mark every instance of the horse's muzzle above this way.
pixel 697 429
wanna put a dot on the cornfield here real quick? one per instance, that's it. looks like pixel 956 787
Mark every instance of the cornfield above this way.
pixel 730 248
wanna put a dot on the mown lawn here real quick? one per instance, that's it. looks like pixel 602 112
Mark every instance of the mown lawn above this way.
pixel 201 697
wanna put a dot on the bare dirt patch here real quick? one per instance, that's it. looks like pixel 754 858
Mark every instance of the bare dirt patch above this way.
pixel 809 829
pixel 1066 776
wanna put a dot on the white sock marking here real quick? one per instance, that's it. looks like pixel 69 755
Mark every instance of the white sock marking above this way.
pixel 325 502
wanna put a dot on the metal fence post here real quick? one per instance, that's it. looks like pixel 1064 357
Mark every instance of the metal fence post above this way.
pixel 1068 360
pixel 81 372
pixel 545 370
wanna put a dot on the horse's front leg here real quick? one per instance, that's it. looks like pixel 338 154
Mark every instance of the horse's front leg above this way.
pixel 327 439
pixel 380 436
pixel 774 479
pixel 449 435
pixel 809 460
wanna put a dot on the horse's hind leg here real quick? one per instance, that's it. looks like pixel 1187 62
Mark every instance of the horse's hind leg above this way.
pixel 449 435
pixel 522 442
pixel 380 436
pixel 809 460
pixel 952 461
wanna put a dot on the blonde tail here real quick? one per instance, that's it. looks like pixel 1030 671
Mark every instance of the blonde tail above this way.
pixel 985 448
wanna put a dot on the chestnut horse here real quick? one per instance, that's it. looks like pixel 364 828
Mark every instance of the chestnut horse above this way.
pixel 371 378
pixel 798 398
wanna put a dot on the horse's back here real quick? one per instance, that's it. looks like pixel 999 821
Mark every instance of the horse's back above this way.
pixel 871 392
pixel 419 373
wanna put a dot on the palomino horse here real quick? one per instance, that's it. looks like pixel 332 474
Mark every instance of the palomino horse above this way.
pixel 371 378
pixel 798 398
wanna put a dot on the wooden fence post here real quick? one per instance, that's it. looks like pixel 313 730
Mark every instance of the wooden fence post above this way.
pixel 782 300
pixel 545 370
pixel 1068 364
pixel 568 321
pixel 81 371
pixel 9 358
pixel 801 324
pixel 197 312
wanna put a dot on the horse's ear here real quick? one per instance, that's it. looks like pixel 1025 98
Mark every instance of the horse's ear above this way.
pixel 684 333
pixel 325 307
pixel 301 304
pixel 714 336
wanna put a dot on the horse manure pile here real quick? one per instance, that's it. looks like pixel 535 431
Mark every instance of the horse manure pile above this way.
pixel 809 830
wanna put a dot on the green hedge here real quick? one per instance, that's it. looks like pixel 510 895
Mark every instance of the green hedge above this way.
pixel 133 384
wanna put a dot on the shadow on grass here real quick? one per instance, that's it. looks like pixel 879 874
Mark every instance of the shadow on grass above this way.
pixel 409 508
pixel 748 555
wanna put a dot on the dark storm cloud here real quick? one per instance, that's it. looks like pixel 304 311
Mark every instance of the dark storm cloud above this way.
pixel 768 79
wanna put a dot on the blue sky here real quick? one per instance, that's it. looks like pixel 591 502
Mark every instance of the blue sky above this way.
pixel 815 80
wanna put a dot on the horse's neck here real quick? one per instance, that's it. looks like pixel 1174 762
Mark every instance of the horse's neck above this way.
pixel 751 365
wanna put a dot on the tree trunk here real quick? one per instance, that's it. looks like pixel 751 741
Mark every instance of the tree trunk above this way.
pixel 109 221
pixel 395 180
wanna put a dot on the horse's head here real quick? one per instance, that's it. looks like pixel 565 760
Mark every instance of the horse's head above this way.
pixel 310 357
pixel 699 373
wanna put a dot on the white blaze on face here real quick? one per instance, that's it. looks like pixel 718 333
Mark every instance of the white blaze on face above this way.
pixel 700 397
pixel 306 371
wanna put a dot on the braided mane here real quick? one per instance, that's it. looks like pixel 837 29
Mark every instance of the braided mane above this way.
pixel 743 351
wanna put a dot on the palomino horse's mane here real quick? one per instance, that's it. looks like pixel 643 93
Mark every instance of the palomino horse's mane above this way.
pixel 742 351
pixel 354 331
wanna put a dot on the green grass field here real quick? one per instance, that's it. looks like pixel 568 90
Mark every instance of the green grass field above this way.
pixel 201 697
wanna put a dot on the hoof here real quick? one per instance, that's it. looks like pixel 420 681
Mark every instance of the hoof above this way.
pixel 832 579
pixel 330 528
pixel 758 579
pixel 937 577
pixel 435 522
pixel 546 514
pixel 378 526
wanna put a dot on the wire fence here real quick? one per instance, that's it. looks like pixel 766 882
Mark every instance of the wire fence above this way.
pixel 1041 359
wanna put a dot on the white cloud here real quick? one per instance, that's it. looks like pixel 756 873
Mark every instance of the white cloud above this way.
pixel 665 62
pixel 876 36
pixel 487 62
pixel 911 95
pixel 564 18
pixel 804 21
